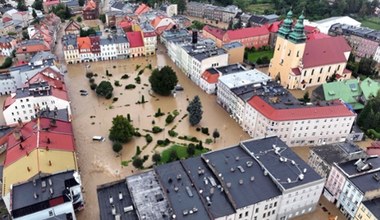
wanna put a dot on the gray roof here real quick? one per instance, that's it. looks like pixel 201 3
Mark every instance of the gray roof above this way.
pixel 59 114
pixel 174 34
pixel 243 178
pixel 71 3
pixel 23 200
pixel 113 189
pixel 34 89
pixel 373 206
pixel 225 70
pixel 148 196
pixel 4 76
pixel 4 130
pixel 42 56
pixel 118 5
pixel 6 39
pixel 366 182
pixel 336 152
pixel 70 39
pixel 113 39
pixel 286 167
pixel 204 179
pixel 182 195
pixel 350 168
pixel 232 45
pixel 207 54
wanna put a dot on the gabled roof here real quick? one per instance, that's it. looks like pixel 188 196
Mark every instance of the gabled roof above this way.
pixel 238 33
pixel 348 90
pixel 90 5
pixel 52 77
pixel 142 9
pixel 210 76
pixel 135 39
pixel 84 43
pixel 32 46
pixel 72 24
pixel 325 51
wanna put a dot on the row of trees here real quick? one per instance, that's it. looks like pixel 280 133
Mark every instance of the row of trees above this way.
pixel 369 117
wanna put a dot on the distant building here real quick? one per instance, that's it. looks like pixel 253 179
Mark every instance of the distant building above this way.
pixel 55 196
pixel 249 37
pixel 325 24
pixel 354 184
pixel 170 9
pixel 72 28
pixel 7 45
pixel 28 48
pixel 299 63
pixel 354 92
pixel 90 10
pixel 369 210
pixel 321 158
pixel 70 49
pixel 220 184
pixel 260 20
pixel 235 52
pixel 136 43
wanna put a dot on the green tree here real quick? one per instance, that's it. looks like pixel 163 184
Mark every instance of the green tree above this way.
pixel 190 150
pixel 215 134
pixel 81 2
pixel 230 25
pixel 173 155
pixel 138 163
pixel 37 5
pixel 156 158
pixel 306 97
pixel 369 117
pixel 88 32
pixel 163 81
pixel 122 130
pixel 117 147
pixel 102 17
pixel 195 111
pixel 25 35
pixel 34 14
pixel 79 19
pixel 367 67
pixel 21 5
pixel 7 63
pixel 104 89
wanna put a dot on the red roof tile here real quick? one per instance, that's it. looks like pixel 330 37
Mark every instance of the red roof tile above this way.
pixel 325 51
pixel 273 28
pixel 216 32
pixel 375 144
pixel 60 137
pixel 52 77
pixel 316 35
pixel 34 48
pixel 90 5
pixel 209 77
pixel 373 151
pixel 135 39
pixel 296 71
pixel 142 9
pixel 247 32
pixel 6 19
pixel 336 110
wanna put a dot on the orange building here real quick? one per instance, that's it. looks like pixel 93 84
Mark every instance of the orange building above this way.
pixel 90 10
pixel 250 37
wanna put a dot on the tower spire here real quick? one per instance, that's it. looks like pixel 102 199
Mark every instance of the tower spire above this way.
pixel 286 26
pixel 298 33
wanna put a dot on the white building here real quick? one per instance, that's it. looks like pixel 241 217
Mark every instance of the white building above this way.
pixel 7 84
pixel 27 101
pixel 70 49
pixel 7 45
pixel 325 24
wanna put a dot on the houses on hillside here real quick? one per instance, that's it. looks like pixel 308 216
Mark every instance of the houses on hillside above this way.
pixel 211 12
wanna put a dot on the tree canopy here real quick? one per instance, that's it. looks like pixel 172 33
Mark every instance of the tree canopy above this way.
pixel 86 33
pixel 62 11
pixel 195 111
pixel 37 5
pixel 104 89
pixel 369 117
pixel 122 130
pixel 163 81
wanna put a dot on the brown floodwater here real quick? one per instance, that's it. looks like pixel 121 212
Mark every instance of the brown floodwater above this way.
pixel 98 163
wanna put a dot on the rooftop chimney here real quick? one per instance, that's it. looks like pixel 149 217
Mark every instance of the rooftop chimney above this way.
pixel 195 37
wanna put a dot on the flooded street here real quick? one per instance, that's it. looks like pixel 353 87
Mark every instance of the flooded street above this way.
pixel 97 161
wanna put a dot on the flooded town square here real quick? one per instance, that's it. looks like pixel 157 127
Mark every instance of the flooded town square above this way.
pixel 93 115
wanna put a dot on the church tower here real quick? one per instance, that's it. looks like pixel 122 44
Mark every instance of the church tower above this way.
pixel 288 52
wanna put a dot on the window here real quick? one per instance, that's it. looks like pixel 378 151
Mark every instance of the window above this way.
pixel 312 72
pixel 320 71
pixel 240 215
pixel 257 210
pixel 266 207
pixel 264 215
pixel 246 213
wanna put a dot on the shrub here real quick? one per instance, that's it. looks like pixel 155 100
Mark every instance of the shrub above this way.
pixel 208 141
pixel 205 130
pixel 117 83
pixel 169 119
pixel 125 76
pixel 138 151
pixel 159 113
pixel 148 138
pixel 89 74
pixel 149 66
pixel 93 86
pixel 199 146
pixel 137 67
pixel 175 113
pixel 153 122
pixel 172 133
pixel 91 80
pixel 198 129
pixel 130 86
pixel 137 134
pixel 138 163
pixel 156 129
pixel 140 72
pixel 190 150
pixel 117 147
pixel 145 157
pixel 138 80
pixel 115 99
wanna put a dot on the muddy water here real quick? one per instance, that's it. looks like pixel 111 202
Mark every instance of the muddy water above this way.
pixel 98 163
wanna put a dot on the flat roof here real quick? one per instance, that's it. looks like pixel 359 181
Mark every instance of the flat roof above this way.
pixel 244 78
pixel 213 193
pixel 336 152
pixel 350 168
pixel 209 53
pixel 148 196
pixel 288 169
pixel 180 191
pixel 367 182
pixel 243 178
pixel 23 194
pixel 374 206
pixel 121 198
pixel 232 45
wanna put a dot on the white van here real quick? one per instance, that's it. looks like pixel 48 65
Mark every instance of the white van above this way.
pixel 98 138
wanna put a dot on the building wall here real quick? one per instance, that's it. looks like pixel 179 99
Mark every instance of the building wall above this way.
pixel 64 208
pixel 364 214
pixel 150 45
pixel 71 55
pixel 108 51
pixel 256 41
pixel 7 86
pixel 199 67
pixel 318 164
pixel 24 108
pixel 301 200
pixel 376 56
pixel 350 199
pixel 209 88
pixel 335 183
pixel 137 51
pixel 287 55
pixel 235 55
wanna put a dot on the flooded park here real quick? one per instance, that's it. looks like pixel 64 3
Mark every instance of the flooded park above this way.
pixel 92 116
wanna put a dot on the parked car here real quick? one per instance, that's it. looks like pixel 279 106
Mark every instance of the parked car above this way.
pixel 98 138
pixel 178 87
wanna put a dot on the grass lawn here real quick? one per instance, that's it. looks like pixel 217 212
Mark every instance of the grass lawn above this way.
pixel 260 8
pixel 181 152
pixel 371 22
pixel 253 56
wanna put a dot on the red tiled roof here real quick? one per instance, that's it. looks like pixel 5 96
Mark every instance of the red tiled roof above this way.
pixel 84 43
pixel 375 144
pixel 325 51
pixel 316 35
pixel 210 78
pixel 310 29
pixel 216 32
pixel 247 32
pixel 338 76
pixel 336 110
pixel 135 39
pixel 273 28
pixel 50 76
pixel 59 93
pixel 161 29
pixel 8 102
pixel 32 48
pixel 61 138
pixel 373 151
pixel 48 3
pixel 149 34
pixel 296 71
pixel 142 9
pixel 347 71
pixel 6 19
pixel 90 5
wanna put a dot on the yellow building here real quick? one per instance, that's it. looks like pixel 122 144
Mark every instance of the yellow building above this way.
pixel 299 63
pixel 368 210
pixel 38 148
